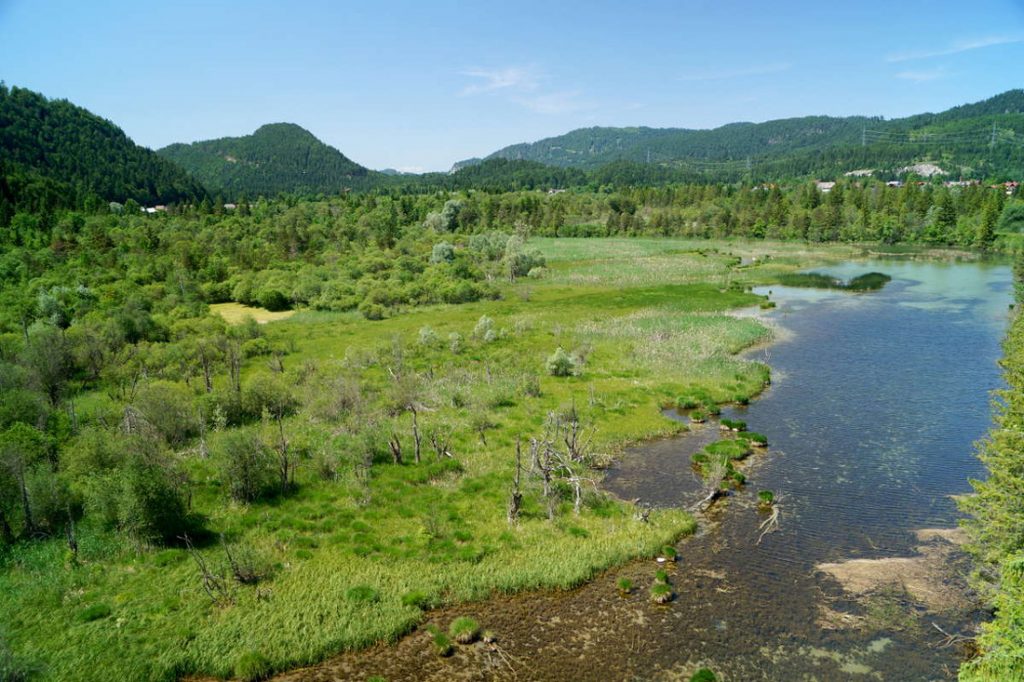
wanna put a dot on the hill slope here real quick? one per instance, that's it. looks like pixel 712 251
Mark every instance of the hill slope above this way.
pixel 278 157
pixel 962 138
pixel 54 154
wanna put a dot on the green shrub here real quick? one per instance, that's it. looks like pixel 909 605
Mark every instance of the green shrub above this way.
pixel 464 630
pixel 372 311
pixel 443 252
pixel 561 364
pixel 704 675
pixel 252 666
pixel 274 300
pixel 247 466
pixel 149 500
pixel 669 552
pixel 484 325
pixel 267 392
pixel 427 336
pixel 625 585
pixel 765 497
pixel 255 347
pixel 170 409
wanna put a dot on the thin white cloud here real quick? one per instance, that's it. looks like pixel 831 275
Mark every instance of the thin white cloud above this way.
pixel 922 76
pixel 526 86
pixel 510 78
pixel 716 75
pixel 956 48
pixel 553 102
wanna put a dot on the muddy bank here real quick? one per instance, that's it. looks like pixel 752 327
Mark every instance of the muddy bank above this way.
pixel 934 577
pixel 594 633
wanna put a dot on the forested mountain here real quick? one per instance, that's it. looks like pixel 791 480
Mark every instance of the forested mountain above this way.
pixel 278 157
pixel 54 154
pixel 979 140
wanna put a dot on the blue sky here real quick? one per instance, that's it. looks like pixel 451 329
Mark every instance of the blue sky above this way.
pixel 419 85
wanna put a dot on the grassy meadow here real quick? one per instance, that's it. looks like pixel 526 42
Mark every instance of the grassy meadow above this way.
pixel 361 546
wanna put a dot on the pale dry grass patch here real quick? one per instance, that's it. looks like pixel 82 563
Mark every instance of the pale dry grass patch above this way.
pixel 235 313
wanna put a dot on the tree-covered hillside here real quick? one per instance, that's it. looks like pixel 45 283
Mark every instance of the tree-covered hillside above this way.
pixel 54 154
pixel 981 140
pixel 278 157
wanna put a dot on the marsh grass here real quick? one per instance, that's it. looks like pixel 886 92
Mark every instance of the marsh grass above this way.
pixel 442 643
pixel 464 630
pixel 359 553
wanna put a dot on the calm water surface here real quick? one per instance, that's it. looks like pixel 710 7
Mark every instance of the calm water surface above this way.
pixel 876 402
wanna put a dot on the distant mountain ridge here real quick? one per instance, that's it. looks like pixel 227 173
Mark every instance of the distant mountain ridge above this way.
pixel 54 154
pixel 963 135
pixel 277 157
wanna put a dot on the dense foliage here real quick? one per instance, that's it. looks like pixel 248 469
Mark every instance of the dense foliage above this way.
pixel 996 526
pixel 209 495
pixel 278 157
pixel 975 140
pixel 54 154
pixel 57 155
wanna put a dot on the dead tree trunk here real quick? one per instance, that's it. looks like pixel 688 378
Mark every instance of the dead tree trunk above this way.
pixel 516 500
pixel 396 448
pixel 415 434
pixel 284 459
pixel 207 364
pixel 215 586
pixel 440 442
pixel 69 533
pixel 541 455
pixel 29 522
pixel 234 362
pixel 6 534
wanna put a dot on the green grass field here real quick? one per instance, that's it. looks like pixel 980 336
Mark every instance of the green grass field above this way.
pixel 355 560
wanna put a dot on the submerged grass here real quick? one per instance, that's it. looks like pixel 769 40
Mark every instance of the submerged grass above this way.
pixel 353 560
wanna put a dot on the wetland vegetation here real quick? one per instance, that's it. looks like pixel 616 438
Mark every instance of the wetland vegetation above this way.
pixel 238 443
pixel 188 496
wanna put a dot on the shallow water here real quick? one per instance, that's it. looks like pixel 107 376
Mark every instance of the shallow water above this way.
pixel 876 401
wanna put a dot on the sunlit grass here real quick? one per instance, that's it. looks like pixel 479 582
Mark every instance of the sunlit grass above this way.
pixel 355 565
pixel 236 313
